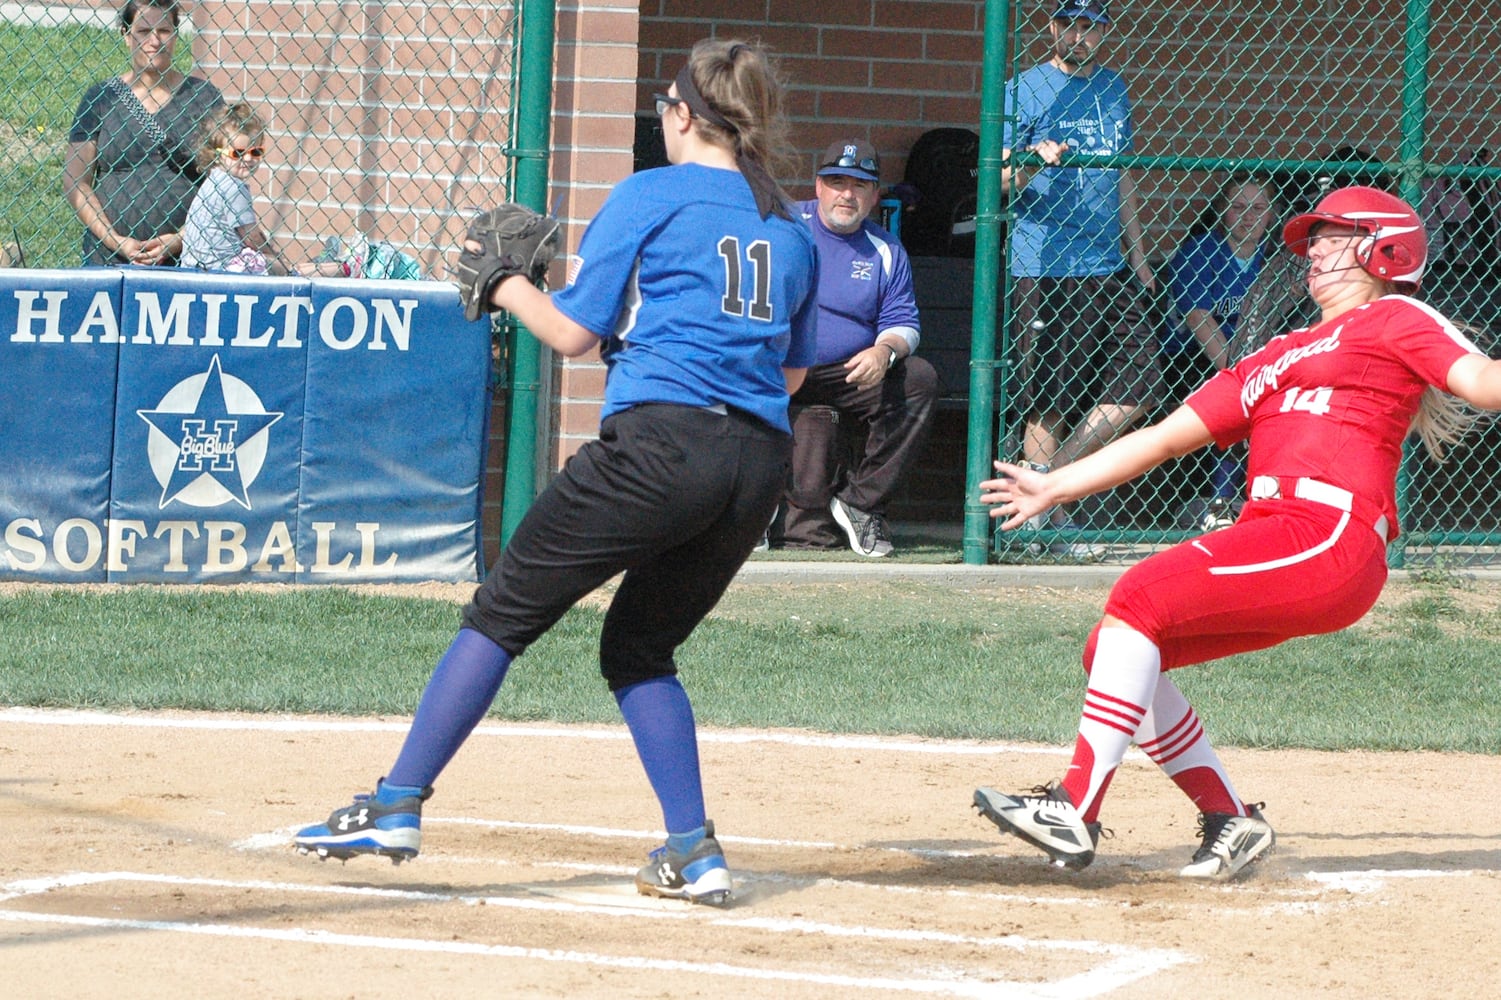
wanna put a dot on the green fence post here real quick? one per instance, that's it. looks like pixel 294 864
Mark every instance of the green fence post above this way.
pixel 982 365
pixel 534 104
pixel 1414 122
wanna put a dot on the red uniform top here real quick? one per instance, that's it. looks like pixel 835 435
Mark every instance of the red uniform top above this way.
pixel 1335 401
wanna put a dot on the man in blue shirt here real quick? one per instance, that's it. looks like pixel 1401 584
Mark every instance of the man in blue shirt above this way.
pixel 1088 366
pixel 864 369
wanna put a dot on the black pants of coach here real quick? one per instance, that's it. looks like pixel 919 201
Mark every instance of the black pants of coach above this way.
pixel 896 415
pixel 676 497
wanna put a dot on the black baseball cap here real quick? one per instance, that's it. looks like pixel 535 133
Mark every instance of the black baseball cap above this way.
pixel 852 158
pixel 1097 11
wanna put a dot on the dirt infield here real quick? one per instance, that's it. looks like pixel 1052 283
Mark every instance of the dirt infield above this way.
pixel 149 856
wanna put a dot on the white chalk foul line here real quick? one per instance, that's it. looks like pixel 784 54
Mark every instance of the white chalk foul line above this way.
pixel 1122 965
pixel 68 717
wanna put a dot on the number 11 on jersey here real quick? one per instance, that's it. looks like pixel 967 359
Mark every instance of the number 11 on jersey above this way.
pixel 759 256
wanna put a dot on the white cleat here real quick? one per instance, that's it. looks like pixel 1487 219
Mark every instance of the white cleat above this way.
pixel 1230 843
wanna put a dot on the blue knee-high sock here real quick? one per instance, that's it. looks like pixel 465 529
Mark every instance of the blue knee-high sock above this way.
pixel 457 697
pixel 660 719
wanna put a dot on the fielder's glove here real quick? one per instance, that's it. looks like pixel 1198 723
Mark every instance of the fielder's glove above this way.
pixel 515 240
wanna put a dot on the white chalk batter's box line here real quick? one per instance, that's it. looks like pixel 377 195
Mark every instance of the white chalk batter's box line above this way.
pixel 1118 966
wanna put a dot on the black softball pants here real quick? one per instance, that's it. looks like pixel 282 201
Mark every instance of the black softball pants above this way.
pixel 676 497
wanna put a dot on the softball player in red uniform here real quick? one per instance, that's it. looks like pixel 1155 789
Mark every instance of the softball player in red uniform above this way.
pixel 1326 410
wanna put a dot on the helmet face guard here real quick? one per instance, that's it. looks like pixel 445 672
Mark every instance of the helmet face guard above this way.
pixel 1395 246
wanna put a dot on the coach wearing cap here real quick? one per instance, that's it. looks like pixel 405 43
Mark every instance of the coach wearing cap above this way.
pixel 864 370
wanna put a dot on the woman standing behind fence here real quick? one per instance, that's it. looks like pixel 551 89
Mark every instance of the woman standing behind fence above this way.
pixel 698 283
pixel 1207 277
pixel 130 171
pixel 1326 410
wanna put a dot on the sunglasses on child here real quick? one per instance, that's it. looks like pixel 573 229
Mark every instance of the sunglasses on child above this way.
pixel 254 152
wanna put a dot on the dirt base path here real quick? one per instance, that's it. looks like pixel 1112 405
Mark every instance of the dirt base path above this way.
pixel 149 856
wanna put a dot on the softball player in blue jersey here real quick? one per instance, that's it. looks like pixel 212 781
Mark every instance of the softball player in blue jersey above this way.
pixel 698 284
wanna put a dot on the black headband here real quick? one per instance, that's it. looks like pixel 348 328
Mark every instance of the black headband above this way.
pixel 769 197
pixel 688 91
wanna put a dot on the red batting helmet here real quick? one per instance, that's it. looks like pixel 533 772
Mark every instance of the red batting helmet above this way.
pixel 1395 247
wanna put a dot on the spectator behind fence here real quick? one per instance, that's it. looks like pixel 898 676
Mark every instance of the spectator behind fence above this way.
pixel 1084 327
pixel 1278 299
pixel 130 171
pixel 222 233
pixel 1207 277
pixel 865 368
pixel 1479 238
pixel 1475 247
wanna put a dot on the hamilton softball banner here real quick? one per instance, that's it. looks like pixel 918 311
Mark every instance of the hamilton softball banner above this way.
pixel 162 426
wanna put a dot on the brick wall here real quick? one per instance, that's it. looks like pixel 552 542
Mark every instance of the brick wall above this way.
pixel 880 70
pixel 593 131
pixel 386 119
pixel 413 98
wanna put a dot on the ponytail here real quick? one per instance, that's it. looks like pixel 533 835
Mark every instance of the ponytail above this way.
pixel 737 99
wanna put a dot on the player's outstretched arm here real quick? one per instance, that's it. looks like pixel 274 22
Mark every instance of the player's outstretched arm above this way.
pixel 1476 379
pixel 535 311
pixel 1018 493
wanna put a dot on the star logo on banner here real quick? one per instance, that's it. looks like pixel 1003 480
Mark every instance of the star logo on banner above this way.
pixel 208 439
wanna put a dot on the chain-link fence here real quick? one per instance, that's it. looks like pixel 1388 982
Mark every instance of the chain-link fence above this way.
pixel 1152 255
pixel 384 126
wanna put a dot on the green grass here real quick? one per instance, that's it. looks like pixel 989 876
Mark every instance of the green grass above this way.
pixel 881 658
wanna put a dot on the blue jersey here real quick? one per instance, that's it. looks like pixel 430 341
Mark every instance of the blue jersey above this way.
pixel 701 301
pixel 1068 219
pixel 864 288
pixel 1206 274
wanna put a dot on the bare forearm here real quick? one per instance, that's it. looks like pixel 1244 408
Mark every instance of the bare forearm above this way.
pixel 1476 379
pixel 533 308
pixel 78 188
pixel 90 212
pixel 1121 461
pixel 1211 338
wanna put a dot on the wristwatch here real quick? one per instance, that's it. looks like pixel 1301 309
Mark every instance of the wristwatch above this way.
pixel 892 359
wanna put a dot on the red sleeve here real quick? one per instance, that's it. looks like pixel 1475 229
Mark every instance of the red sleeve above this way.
pixel 1217 402
pixel 1425 340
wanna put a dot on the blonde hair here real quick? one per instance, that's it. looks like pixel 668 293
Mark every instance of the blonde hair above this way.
pixel 742 82
pixel 220 130
pixel 1442 421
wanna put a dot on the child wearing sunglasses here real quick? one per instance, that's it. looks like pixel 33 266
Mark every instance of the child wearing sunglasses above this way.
pixel 222 233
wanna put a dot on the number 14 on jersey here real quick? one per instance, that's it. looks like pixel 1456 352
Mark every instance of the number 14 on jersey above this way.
pixel 1315 401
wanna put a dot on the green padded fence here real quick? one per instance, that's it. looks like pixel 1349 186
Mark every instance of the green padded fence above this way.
pixel 1242 113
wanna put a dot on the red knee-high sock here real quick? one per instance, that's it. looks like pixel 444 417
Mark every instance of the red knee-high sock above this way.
pixel 1123 672
pixel 1173 737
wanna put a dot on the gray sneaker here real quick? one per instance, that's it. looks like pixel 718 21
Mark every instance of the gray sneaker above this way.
pixel 1229 844
pixel 1072 545
pixel 867 533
